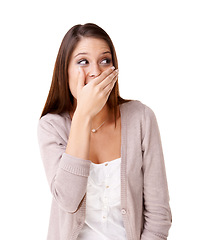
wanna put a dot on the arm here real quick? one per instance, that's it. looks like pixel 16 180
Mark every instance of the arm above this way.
pixel 67 174
pixel 67 167
pixel 157 213
pixel 80 135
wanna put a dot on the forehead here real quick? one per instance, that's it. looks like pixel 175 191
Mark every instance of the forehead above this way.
pixel 89 45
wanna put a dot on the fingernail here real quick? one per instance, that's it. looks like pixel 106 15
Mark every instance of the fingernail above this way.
pixel 112 67
pixel 117 70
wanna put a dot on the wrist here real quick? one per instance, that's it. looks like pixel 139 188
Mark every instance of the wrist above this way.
pixel 81 114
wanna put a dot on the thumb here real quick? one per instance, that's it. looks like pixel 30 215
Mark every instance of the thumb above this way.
pixel 81 78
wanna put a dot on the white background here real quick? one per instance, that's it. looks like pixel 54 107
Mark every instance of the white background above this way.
pixel 163 54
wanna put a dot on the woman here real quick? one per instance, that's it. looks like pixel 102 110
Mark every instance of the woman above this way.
pixel 102 154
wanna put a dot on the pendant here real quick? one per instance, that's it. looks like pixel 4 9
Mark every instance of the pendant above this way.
pixel 93 130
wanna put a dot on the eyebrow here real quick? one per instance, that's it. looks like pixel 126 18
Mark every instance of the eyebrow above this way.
pixel 87 53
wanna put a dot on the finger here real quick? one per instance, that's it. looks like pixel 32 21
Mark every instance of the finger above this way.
pixel 81 78
pixel 109 79
pixel 110 86
pixel 103 75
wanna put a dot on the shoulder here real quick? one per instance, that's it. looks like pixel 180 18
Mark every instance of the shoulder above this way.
pixel 52 117
pixel 138 109
pixel 53 123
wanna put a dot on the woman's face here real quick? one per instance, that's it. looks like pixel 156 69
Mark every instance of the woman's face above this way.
pixel 91 54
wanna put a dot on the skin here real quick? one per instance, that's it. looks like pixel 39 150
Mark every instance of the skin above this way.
pixel 94 57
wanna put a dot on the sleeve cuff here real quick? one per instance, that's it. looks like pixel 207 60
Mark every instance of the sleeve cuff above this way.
pixel 75 165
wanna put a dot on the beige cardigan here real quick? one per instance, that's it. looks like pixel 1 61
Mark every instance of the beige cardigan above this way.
pixel 144 191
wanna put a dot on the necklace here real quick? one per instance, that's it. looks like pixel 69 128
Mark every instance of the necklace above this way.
pixel 95 130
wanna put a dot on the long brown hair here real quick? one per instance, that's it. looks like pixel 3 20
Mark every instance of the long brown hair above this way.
pixel 60 99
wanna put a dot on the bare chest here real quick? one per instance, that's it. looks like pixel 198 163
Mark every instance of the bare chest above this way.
pixel 105 147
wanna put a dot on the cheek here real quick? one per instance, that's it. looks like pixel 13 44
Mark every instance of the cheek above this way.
pixel 73 80
pixel 72 75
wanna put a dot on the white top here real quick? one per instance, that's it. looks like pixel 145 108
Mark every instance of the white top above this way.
pixel 103 210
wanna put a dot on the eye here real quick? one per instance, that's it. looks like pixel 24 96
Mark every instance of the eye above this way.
pixel 82 62
pixel 106 61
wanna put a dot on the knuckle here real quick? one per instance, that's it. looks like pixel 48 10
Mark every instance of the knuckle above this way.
pixel 104 74
pixel 97 89
pixel 115 73
pixel 93 84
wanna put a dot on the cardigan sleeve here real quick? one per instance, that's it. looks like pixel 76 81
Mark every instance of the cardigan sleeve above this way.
pixel 67 175
pixel 157 212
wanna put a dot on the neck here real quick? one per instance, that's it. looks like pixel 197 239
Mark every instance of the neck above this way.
pixel 103 115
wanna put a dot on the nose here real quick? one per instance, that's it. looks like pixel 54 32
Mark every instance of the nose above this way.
pixel 94 71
